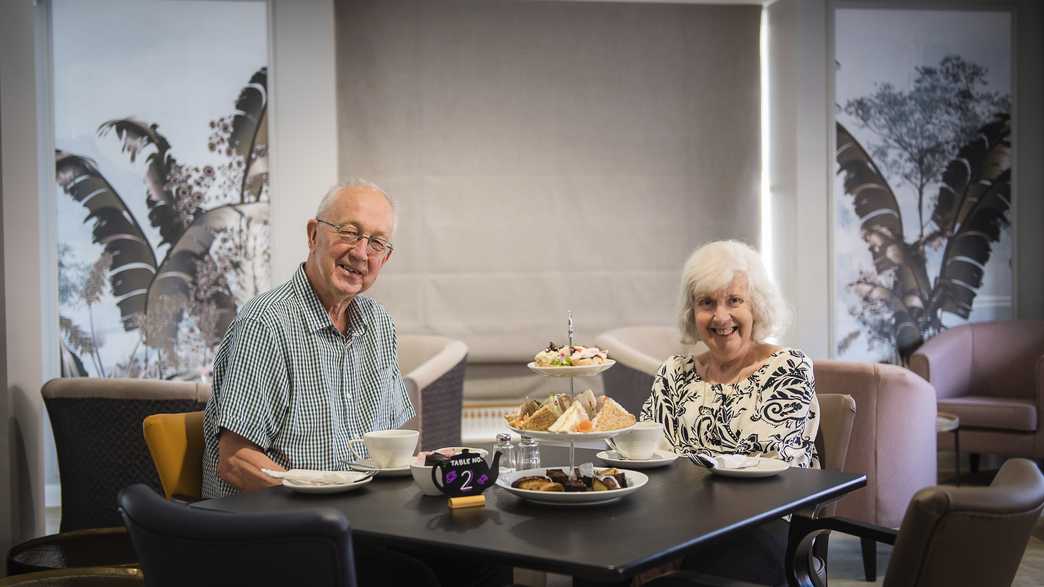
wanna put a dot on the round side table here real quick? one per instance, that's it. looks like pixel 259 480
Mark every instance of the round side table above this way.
pixel 947 422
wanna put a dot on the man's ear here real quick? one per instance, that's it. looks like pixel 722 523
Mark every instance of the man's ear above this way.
pixel 312 229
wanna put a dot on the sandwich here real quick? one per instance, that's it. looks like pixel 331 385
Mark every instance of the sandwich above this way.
pixel 543 418
pixel 590 403
pixel 611 416
pixel 571 420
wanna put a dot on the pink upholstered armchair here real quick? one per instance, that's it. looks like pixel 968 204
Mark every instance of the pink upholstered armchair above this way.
pixel 991 374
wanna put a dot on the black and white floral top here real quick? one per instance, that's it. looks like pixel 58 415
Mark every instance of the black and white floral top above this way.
pixel 772 413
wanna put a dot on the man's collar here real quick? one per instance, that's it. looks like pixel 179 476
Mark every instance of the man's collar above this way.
pixel 315 315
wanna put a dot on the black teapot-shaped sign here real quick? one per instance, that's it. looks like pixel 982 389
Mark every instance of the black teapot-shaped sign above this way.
pixel 465 474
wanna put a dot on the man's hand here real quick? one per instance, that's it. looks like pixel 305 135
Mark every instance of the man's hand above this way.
pixel 240 462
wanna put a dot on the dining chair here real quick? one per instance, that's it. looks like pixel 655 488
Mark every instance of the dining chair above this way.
pixel 433 370
pixel 175 443
pixel 949 535
pixel 836 418
pixel 180 545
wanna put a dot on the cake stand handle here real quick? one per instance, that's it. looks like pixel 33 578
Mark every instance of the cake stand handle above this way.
pixel 572 459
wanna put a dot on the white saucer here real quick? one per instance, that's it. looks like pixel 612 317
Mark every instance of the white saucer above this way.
pixel 766 467
pixel 388 472
pixel 660 458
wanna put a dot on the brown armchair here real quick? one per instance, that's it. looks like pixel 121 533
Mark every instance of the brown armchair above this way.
pixel 949 536
pixel 991 375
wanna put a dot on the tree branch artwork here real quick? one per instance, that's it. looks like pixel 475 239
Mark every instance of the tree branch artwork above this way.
pixel 945 133
pixel 180 302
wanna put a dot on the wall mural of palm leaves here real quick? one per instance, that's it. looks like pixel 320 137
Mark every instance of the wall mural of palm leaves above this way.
pixel 948 140
pixel 180 294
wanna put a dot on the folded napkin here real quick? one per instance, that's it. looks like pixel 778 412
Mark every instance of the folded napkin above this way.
pixel 317 478
pixel 734 461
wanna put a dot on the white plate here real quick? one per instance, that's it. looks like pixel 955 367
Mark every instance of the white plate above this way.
pixel 390 471
pixel 635 481
pixel 579 371
pixel 766 467
pixel 660 458
pixel 568 436
pixel 331 488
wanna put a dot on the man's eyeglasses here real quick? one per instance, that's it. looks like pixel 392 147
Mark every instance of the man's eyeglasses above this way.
pixel 350 235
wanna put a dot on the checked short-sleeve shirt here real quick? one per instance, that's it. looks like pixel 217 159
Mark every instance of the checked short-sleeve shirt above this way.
pixel 288 381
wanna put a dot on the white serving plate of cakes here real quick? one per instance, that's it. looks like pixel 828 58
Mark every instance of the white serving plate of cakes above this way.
pixel 635 481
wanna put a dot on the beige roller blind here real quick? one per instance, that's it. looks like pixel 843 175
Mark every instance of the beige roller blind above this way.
pixel 548 156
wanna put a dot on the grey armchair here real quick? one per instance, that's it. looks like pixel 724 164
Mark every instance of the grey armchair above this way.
pixel 638 352
pixel 433 369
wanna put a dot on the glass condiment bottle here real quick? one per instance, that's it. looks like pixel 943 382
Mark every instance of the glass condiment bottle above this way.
pixel 528 454
pixel 507 452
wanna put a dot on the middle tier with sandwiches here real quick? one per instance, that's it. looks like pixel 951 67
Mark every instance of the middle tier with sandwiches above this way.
pixel 564 414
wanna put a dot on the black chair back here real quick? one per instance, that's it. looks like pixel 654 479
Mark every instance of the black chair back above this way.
pixel 98 438
pixel 178 545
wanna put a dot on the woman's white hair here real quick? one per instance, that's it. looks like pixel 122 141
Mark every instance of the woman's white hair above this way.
pixel 712 267
pixel 356 182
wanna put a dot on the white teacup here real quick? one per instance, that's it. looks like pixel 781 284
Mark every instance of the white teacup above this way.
pixel 640 441
pixel 390 449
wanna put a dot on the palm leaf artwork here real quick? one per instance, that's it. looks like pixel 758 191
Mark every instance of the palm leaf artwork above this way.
pixel 206 267
pixel 249 139
pixel 115 228
pixel 136 136
pixel 175 283
pixel 882 229
pixel 971 211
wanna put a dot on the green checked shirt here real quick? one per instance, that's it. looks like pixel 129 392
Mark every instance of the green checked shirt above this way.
pixel 288 381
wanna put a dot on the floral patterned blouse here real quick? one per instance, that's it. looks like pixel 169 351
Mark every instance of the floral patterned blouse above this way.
pixel 772 413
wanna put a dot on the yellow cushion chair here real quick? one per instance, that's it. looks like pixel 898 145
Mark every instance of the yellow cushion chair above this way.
pixel 175 442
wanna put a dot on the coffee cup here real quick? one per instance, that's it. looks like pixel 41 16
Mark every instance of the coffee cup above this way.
pixel 639 442
pixel 390 449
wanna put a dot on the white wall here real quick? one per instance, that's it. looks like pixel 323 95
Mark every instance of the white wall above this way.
pixel 800 154
pixel 25 254
pixel 302 121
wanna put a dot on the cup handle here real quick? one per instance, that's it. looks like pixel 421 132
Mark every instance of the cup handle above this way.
pixel 356 457
pixel 612 445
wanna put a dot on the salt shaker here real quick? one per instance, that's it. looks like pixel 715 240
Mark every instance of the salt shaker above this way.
pixel 528 454
pixel 507 452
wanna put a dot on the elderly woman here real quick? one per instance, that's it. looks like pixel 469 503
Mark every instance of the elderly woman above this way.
pixel 743 396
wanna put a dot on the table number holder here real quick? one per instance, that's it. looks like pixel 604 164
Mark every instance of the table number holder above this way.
pixel 464 477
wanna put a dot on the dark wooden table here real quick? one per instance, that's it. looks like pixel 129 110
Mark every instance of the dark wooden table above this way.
pixel 683 505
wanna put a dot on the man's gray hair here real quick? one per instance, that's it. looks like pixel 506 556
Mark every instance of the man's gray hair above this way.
pixel 712 267
pixel 356 182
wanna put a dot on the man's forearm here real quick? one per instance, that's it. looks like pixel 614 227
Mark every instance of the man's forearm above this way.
pixel 240 462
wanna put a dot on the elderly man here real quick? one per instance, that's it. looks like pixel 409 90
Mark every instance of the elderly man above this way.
pixel 310 364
